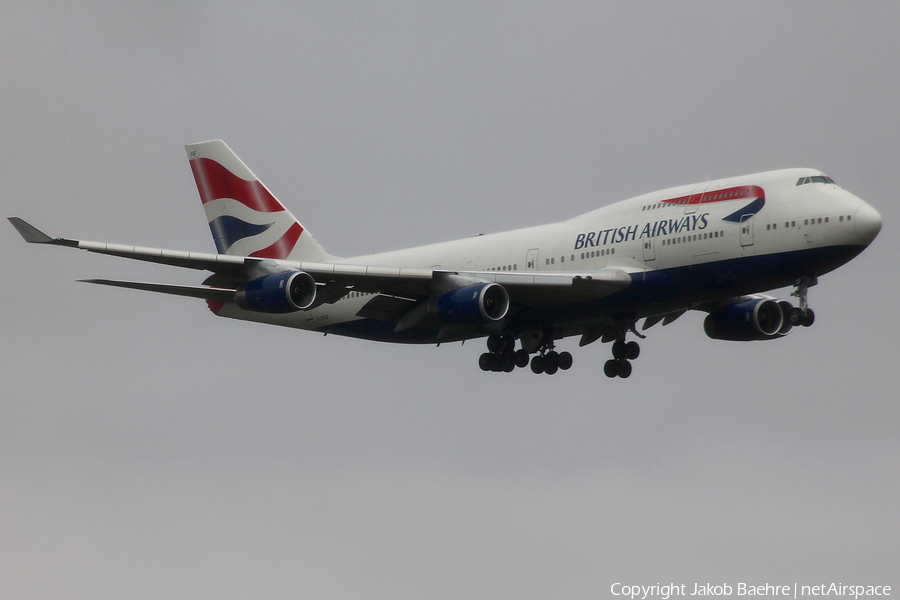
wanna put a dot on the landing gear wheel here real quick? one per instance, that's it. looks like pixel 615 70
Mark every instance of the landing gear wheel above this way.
pixel 551 363
pixel 521 358
pixel 508 362
pixel 500 344
pixel 619 349
pixel 611 368
pixel 565 361
pixel 486 361
pixel 624 369
pixel 537 364
pixel 632 350
pixel 809 318
pixel 795 317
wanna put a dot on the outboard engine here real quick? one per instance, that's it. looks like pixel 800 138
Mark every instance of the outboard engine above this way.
pixel 756 319
pixel 285 292
pixel 473 304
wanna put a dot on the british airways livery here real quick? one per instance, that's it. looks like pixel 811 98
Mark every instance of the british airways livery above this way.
pixel 714 246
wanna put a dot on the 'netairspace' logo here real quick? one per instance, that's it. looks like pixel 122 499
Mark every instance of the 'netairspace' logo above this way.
pixel 670 590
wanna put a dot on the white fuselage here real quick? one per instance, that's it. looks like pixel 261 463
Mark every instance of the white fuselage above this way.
pixel 806 229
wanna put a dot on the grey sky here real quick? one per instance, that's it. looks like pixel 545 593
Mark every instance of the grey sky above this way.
pixel 148 449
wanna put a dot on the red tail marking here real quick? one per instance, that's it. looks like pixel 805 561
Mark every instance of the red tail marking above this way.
pixel 282 248
pixel 215 181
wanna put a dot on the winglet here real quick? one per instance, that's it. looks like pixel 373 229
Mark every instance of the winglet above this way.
pixel 33 235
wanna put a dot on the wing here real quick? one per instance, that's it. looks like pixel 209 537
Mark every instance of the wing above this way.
pixel 336 279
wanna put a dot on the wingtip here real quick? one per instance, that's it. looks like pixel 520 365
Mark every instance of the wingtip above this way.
pixel 29 232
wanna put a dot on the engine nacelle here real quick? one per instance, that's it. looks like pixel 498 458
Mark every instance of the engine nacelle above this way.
pixel 473 304
pixel 757 319
pixel 285 292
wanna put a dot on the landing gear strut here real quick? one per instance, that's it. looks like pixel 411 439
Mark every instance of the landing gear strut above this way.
pixel 803 315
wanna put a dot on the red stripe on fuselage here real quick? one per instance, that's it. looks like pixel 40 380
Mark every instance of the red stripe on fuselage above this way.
pixel 282 248
pixel 732 193
pixel 215 181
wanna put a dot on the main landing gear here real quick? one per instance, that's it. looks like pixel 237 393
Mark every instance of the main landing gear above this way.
pixel 618 365
pixel 550 361
pixel 802 315
pixel 503 357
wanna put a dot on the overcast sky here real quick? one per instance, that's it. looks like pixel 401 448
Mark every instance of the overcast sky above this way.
pixel 151 450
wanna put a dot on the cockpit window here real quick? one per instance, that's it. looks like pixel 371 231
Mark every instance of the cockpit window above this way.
pixel 815 179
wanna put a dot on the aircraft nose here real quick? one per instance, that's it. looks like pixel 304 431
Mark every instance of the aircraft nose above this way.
pixel 867 223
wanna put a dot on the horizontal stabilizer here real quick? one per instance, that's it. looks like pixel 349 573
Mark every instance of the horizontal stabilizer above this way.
pixel 191 291
pixel 33 235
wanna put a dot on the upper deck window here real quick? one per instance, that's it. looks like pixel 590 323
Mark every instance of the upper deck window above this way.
pixel 815 179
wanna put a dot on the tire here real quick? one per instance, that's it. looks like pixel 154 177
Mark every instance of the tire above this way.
pixel 509 363
pixel 565 361
pixel 486 361
pixel 537 364
pixel 521 358
pixel 632 350
pixel 494 343
pixel 618 350
pixel 809 318
pixel 795 317
pixel 551 358
pixel 624 369
pixel 550 367
pixel 611 368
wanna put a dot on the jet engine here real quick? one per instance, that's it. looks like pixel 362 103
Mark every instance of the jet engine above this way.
pixel 756 319
pixel 473 304
pixel 285 292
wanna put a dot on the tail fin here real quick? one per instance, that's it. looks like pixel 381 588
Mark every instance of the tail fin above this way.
pixel 244 217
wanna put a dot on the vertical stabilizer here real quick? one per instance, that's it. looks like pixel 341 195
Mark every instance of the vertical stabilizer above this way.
pixel 244 217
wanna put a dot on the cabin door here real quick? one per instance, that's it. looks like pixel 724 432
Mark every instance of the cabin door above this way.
pixel 531 260
pixel 747 230
pixel 649 253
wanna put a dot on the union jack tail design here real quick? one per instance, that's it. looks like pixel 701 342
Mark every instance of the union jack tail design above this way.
pixel 244 217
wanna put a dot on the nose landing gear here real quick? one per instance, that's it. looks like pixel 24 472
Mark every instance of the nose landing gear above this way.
pixel 803 315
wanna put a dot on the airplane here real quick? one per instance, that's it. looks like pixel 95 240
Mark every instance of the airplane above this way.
pixel 714 246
